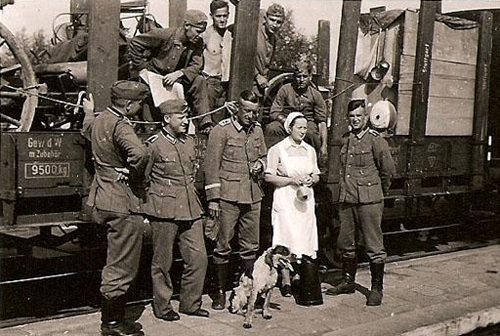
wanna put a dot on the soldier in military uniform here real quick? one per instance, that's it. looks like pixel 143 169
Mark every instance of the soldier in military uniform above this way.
pixel 235 158
pixel 174 212
pixel 120 159
pixel 367 168
pixel 176 53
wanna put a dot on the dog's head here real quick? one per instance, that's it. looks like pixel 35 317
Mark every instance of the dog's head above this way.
pixel 279 256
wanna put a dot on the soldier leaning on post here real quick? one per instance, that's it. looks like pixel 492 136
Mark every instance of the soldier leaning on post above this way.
pixel 234 161
pixel 176 54
pixel 367 168
pixel 174 212
pixel 120 159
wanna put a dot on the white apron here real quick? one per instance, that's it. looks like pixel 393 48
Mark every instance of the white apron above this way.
pixel 294 221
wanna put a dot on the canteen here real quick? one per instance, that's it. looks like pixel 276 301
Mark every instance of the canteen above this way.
pixel 304 193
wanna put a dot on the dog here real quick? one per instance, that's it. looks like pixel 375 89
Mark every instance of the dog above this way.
pixel 263 278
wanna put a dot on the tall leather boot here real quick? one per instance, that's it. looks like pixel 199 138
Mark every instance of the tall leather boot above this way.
pixel 219 297
pixel 247 267
pixel 348 285
pixel 113 319
pixel 376 294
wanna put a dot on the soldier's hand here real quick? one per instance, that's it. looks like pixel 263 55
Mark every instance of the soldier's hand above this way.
pixel 122 174
pixel 88 104
pixel 261 81
pixel 172 77
pixel 213 209
pixel 232 107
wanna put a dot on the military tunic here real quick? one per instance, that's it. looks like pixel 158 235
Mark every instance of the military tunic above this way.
pixel 288 99
pixel 116 204
pixel 174 211
pixel 366 171
pixel 231 152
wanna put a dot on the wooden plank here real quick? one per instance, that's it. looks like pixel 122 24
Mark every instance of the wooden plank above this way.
pixel 323 66
pixel 456 45
pixel 102 70
pixel 176 10
pixel 420 94
pixel 244 47
pixel 345 70
pixel 481 103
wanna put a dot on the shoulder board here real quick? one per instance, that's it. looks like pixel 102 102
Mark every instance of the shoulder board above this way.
pixel 373 132
pixel 152 138
pixel 225 122
pixel 346 134
pixel 256 123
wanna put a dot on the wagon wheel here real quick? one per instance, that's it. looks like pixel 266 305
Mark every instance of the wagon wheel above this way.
pixel 29 82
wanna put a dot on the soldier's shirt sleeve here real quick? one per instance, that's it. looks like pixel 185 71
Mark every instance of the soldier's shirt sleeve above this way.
pixel 384 162
pixel 131 148
pixel 213 158
pixel 195 63
pixel 142 43
pixel 88 121
pixel 319 107
pixel 278 103
pixel 263 149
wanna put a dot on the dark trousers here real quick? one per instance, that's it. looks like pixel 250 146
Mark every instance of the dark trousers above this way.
pixel 275 132
pixel 125 233
pixel 217 96
pixel 189 235
pixel 367 219
pixel 196 94
pixel 245 219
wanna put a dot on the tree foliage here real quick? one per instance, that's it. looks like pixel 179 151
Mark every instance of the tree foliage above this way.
pixel 293 46
pixel 35 47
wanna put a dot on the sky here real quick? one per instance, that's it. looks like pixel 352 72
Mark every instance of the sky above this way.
pixel 34 15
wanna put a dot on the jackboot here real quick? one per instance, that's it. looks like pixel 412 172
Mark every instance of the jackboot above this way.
pixel 348 285
pixel 113 319
pixel 219 297
pixel 247 267
pixel 376 294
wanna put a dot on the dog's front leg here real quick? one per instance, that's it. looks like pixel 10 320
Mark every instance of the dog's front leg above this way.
pixel 265 308
pixel 250 307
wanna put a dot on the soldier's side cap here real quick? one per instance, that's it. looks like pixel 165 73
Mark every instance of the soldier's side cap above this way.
pixel 124 89
pixel 354 104
pixel 196 18
pixel 275 10
pixel 173 106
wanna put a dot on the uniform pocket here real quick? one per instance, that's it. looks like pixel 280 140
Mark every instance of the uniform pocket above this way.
pixel 163 202
pixel 369 191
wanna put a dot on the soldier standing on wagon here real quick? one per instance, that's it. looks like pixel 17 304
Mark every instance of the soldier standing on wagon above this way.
pixel 266 44
pixel 174 211
pixel 120 159
pixel 366 172
pixel 217 56
pixel 235 158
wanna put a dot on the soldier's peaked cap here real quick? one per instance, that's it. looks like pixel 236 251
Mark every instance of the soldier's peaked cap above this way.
pixel 173 106
pixel 124 89
pixel 276 10
pixel 196 18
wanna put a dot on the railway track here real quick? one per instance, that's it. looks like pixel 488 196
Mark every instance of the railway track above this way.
pixel 56 283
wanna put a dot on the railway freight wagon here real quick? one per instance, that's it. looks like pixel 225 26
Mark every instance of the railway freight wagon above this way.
pixel 434 71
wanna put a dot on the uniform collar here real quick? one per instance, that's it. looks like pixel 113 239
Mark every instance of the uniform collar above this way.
pixel 239 127
pixel 114 111
pixel 172 138
pixel 362 133
pixel 289 143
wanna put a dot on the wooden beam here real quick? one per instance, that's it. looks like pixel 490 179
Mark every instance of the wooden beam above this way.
pixel 244 47
pixel 481 99
pixel 420 96
pixel 343 87
pixel 176 10
pixel 323 67
pixel 102 69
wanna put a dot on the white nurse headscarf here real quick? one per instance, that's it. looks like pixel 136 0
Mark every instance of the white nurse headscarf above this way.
pixel 291 117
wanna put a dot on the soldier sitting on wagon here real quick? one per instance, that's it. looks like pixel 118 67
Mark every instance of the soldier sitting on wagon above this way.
pixel 177 55
pixel 301 96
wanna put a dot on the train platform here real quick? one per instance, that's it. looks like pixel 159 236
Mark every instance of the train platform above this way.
pixel 447 294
